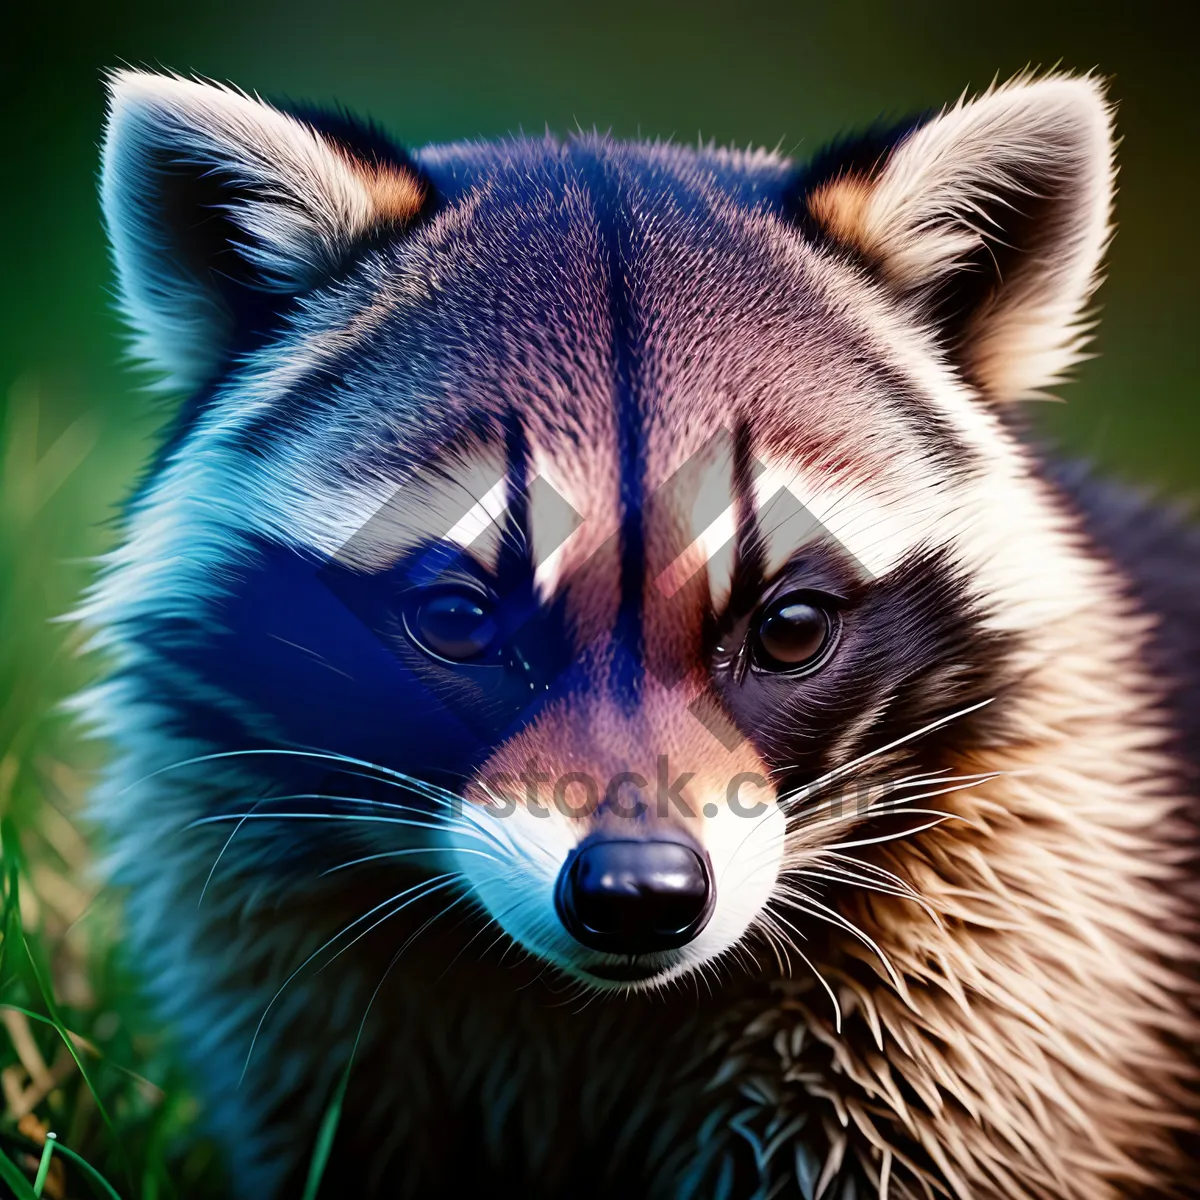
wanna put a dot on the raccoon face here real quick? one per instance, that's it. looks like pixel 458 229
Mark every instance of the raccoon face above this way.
pixel 611 505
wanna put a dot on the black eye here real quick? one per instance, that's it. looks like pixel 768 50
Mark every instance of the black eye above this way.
pixel 455 625
pixel 794 634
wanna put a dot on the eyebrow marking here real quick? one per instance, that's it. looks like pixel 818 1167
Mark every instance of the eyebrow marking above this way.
pixel 699 552
pixel 734 527
pixel 554 525
pixel 481 516
pixel 750 551
pixel 798 505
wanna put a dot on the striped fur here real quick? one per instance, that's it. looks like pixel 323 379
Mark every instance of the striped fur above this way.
pixel 645 388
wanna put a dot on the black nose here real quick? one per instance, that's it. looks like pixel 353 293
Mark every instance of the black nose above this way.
pixel 634 897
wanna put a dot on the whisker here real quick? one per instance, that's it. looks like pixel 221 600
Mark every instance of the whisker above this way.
pixel 319 950
pixel 885 790
pixel 905 811
pixel 435 885
pixel 883 890
pixel 896 836
pixel 871 883
pixel 221 854
pixel 941 777
pixel 491 920
pixel 379 987
pixel 837 1008
pixel 886 805
pixel 811 905
pixel 835 874
pixel 412 937
pixel 766 925
pixel 314 816
pixel 863 865
pixel 242 818
pixel 437 825
pixel 384 774
pixel 429 820
pixel 320 659
pixel 492 795
pixel 542 971
pixel 838 772
pixel 355 862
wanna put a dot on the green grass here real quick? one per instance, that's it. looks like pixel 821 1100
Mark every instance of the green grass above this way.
pixel 93 1105
pixel 80 1057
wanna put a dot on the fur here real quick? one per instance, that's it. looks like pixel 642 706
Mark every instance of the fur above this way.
pixel 644 389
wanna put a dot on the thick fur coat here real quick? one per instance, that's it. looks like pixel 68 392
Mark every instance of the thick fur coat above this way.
pixel 635 402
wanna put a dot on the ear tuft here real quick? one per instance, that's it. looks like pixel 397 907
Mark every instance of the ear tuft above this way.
pixel 219 207
pixel 991 218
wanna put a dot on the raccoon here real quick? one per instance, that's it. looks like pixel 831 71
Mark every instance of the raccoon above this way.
pixel 603 680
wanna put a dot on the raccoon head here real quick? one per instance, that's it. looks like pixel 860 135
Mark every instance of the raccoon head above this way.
pixel 612 505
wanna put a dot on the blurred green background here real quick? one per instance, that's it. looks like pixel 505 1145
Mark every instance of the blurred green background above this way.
pixel 74 428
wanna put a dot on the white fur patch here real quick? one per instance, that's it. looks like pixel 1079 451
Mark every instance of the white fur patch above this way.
pixel 300 201
pixel 483 514
pixel 926 211
pixel 565 526
pixel 517 886
pixel 711 537
pixel 878 527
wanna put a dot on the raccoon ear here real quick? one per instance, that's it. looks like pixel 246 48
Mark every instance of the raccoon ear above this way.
pixel 991 218
pixel 220 207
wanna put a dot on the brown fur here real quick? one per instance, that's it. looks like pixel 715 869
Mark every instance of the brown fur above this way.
pixel 1066 916
pixel 1018 1016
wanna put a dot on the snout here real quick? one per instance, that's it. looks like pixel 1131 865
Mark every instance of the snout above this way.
pixel 635 896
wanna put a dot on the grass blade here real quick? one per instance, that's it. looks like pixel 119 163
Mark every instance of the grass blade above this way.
pixel 41 1018
pixel 16 939
pixel 14 1177
pixel 100 1185
pixel 39 1180
pixel 325 1135
pixel 56 1020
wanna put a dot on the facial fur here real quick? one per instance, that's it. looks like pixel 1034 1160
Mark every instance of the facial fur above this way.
pixel 634 396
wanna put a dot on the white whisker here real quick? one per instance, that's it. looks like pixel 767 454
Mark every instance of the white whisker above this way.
pixel 814 907
pixel 879 841
pixel 381 773
pixel 854 764
pixel 407 851
pixel 322 948
pixel 832 876
pixel 221 854
pixel 837 1008
pixel 886 805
